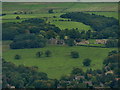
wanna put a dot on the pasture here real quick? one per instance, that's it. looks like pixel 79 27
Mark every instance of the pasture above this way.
pixel 37 7
pixel 40 10
pixel 55 21
pixel 60 63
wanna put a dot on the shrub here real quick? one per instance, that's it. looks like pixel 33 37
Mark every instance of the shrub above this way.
pixel 111 43
pixel 17 17
pixel 74 54
pixel 39 54
pixel 51 11
pixel 17 57
pixel 48 53
pixel 86 62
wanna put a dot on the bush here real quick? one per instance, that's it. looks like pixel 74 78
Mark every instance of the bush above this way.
pixel 51 11
pixel 86 62
pixel 17 17
pixel 78 71
pixel 39 54
pixel 111 43
pixel 74 54
pixel 70 42
pixel 48 53
pixel 17 57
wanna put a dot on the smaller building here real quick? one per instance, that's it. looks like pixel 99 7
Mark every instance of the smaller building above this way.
pixel 101 41
pixel 79 77
pixel 82 42
pixel 54 41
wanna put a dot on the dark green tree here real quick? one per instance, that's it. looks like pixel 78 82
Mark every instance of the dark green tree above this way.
pixel 76 71
pixel 74 54
pixel 17 57
pixel 39 54
pixel 50 11
pixel 111 43
pixel 86 62
pixel 18 17
pixel 48 53
pixel 70 42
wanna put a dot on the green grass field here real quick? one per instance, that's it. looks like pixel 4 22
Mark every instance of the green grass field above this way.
pixel 58 7
pixel 60 24
pixel 60 63
pixel 40 10
pixel 71 24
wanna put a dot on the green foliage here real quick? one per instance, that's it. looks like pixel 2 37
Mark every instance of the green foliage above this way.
pixel 50 34
pixel 74 54
pixel 20 76
pixel 30 26
pixel 70 42
pixel 111 43
pixel 48 53
pixel 17 17
pixel 34 21
pixel 50 11
pixel 113 59
pixel 27 41
pixel 86 62
pixel 100 24
pixel 112 52
pixel 77 71
pixel 17 57
pixel 39 54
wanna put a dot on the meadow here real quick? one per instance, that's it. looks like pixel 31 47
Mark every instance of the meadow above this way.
pixel 40 10
pixel 55 21
pixel 60 63
pixel 58 7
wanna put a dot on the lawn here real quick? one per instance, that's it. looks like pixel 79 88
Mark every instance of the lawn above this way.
pixel 60 63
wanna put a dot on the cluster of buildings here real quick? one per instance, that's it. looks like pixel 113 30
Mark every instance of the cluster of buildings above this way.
pixel 54 41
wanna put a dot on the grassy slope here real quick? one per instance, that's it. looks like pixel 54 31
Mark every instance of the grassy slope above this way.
pixel 70 25
pixel 60 24
pixel 58 7
pixel 60 63
pixel 41 10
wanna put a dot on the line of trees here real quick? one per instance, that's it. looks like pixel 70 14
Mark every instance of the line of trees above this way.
pixel 27 41
pixel 47 53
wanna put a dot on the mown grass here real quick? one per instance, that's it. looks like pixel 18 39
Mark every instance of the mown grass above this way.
pixel 60 63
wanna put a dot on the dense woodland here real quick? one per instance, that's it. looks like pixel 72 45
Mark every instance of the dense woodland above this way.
pixel 37 31
pixel 29 77
pixel 105 27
